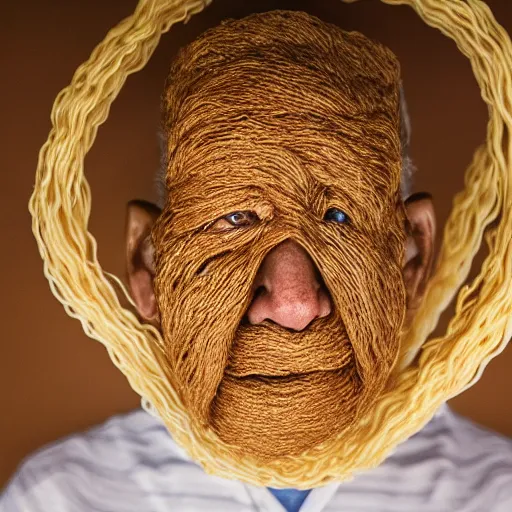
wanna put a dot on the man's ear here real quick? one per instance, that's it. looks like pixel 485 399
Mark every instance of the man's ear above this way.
pixel 140 271
pixel 419 253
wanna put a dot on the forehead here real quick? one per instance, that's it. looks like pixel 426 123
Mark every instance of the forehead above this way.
pixel 287 119
pixel 292 156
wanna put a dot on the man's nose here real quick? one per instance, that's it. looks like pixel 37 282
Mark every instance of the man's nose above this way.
pixel 288 289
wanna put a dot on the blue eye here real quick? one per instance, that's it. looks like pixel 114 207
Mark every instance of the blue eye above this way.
pixel 245 218
pixel 336 215
pixel 233 220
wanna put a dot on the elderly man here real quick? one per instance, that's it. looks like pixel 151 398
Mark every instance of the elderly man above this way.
pixel 281 267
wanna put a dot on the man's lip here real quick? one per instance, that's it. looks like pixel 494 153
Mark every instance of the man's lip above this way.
pixel 255 376
pixel 286 379
pixel 282 373
pixel 281 377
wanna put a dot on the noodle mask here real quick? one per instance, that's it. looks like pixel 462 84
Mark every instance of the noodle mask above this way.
pixel 159 367
pixel 286 117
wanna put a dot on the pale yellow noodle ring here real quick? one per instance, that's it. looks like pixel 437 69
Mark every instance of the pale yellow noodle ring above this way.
pixel 480 329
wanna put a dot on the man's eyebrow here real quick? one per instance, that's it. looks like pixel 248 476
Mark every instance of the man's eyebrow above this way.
pixel 230 192
pixel 220 200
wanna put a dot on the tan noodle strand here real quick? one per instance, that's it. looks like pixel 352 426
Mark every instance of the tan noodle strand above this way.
pixel 327 130
pixel 431 372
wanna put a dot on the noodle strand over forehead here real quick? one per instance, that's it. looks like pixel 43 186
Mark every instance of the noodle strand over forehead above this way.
pixel 289 116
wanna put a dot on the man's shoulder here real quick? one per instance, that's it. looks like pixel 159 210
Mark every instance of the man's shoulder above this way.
pixel 450 438
pixel 119 442
pixel 466 437
pixel 112 454
pixel 451 462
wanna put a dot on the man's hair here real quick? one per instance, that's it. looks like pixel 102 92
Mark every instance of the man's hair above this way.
pixel 408 167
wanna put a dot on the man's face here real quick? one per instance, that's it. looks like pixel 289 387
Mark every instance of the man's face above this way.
pixel 278 254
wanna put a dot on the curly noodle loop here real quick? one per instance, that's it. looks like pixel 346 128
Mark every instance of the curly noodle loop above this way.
pixel 444 366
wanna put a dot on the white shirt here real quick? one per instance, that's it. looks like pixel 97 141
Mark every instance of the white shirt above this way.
pixel 131 464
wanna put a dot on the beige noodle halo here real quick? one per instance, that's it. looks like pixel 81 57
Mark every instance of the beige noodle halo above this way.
pixel 431 372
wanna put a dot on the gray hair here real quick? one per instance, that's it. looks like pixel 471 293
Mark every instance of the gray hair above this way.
pixel 408 167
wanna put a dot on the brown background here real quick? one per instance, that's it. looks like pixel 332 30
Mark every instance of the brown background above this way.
pixel 54 379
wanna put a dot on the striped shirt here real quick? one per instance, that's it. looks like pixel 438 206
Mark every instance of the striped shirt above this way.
pixel 131 464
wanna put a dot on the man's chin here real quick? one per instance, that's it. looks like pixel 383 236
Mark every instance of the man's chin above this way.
pixel 272 417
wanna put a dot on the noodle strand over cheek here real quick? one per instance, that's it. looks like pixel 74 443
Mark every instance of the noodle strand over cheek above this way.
pixel 248 119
